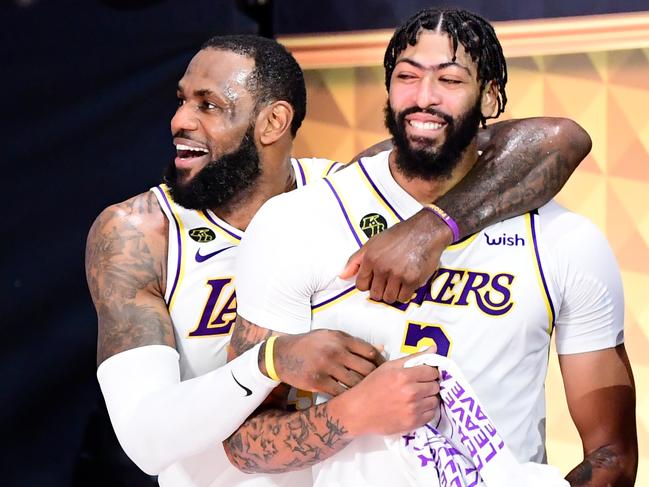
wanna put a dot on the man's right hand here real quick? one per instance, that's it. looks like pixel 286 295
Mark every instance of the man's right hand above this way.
pixel 390 400
pixel 325 361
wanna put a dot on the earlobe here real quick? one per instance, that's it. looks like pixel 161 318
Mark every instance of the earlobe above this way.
pixel 489 100
pixel 274 121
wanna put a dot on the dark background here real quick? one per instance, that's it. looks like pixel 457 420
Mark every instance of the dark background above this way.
pixel 88 91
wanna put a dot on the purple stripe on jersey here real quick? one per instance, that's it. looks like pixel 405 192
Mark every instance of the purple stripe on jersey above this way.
pixel 299 166
pixel 213 221
pixel 180 248
pixel 316 306
pixel 385 200
pixel 335 164
pixel 538 261
pixel 342 208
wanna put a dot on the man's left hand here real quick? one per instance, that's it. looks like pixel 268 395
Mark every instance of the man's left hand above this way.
pixel 397 261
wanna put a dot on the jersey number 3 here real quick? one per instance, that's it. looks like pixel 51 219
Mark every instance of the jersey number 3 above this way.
pixel 419 336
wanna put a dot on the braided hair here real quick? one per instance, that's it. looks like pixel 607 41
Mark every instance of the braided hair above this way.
pixel 466 28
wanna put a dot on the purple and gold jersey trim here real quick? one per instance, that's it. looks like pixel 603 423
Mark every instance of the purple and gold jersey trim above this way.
pixel 531 221
pixel 377 192
pixel 342 208
pixel 300 168
pixel 207 214
pixel 338 297
pixel 331 167
pixel 162 191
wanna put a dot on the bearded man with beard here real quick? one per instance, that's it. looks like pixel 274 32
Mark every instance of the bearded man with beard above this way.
pixel 491 307
pixel 160 266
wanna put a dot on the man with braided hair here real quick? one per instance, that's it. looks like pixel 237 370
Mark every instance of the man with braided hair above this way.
pixel 491 307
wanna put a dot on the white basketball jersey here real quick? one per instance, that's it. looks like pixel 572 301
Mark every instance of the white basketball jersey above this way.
pixel 202 303
pixel 491 306
pixel 487 307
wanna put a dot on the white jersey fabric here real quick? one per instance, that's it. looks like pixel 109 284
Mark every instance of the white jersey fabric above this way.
pixel 491 306
pixel 202 303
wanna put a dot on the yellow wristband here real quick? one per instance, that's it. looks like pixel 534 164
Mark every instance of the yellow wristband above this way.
pixel 269 359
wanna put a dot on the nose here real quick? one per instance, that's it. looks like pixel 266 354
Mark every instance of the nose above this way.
pixel 183 119
pixel 428 93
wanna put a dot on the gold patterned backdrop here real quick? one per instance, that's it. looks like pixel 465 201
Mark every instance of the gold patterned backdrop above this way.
pixel 608 94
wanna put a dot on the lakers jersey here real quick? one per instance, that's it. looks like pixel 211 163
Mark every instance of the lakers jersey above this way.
pixel 201 298
pixel 491 306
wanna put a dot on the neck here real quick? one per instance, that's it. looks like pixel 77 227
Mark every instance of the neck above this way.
pixel 239 211
pixel 428 190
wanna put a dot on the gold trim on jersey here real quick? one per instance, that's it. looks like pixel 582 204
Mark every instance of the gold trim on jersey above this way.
pixel 462 244
pixel 360 236
pixel 218 229
pixel 315 309
pixel 376 195
pixel 182 246
pixel 539 273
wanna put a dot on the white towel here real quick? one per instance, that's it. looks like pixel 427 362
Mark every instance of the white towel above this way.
pixel 462 448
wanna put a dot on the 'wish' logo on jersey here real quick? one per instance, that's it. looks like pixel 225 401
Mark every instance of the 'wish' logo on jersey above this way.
pixel 505 239
pixel 373 224
pixel 492 294
pixel 202 234
pixel 220 310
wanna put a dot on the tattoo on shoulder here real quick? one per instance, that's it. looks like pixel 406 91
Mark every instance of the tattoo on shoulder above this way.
pixel 120 265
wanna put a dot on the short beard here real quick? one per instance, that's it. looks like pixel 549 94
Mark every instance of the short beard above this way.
pixel 221 183
pixel 430 162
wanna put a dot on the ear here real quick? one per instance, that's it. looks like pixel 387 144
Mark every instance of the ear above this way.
pixel 489 100
pixel 274 121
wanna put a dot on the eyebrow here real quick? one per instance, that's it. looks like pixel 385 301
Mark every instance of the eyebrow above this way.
pixel 435 67
pixel 207 92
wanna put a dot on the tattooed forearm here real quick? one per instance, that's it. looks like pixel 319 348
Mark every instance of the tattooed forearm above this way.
pixel 245 336
pixel 603 467
pixel 125 269
pixel 277 441
pixel 523 166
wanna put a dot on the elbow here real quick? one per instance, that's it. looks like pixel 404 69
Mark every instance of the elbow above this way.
pixel 143 451
pixel 231 449
pixel 575 138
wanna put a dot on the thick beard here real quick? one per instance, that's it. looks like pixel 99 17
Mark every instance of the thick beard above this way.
pixel 221 183
pixel 431 162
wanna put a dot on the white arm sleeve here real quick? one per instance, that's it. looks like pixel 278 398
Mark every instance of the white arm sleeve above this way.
pixel 591 311
pixel 275 272
pixel 160 420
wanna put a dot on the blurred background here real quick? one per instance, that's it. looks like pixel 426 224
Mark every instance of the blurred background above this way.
pixel 89 92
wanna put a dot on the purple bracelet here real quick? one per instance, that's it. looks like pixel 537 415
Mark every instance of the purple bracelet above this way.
pixel 455 230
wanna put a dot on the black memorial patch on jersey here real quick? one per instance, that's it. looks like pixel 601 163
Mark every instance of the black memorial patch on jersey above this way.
pixel 373 223
pixel 202 234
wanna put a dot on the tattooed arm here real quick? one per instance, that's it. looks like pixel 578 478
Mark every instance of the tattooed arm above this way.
pixel 125 269
pixel 523 165
pixel 273 440
pixel 158 419
pixel 601 399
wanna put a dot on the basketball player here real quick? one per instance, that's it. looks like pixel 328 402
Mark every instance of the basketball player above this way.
pixel 491 306
pixel 160 266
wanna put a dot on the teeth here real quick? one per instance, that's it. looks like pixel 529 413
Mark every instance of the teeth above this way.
pixel 425 125
pixel 187 147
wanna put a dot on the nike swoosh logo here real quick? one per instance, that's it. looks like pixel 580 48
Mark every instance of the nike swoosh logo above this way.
pixel 202 258
pixel 248 391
